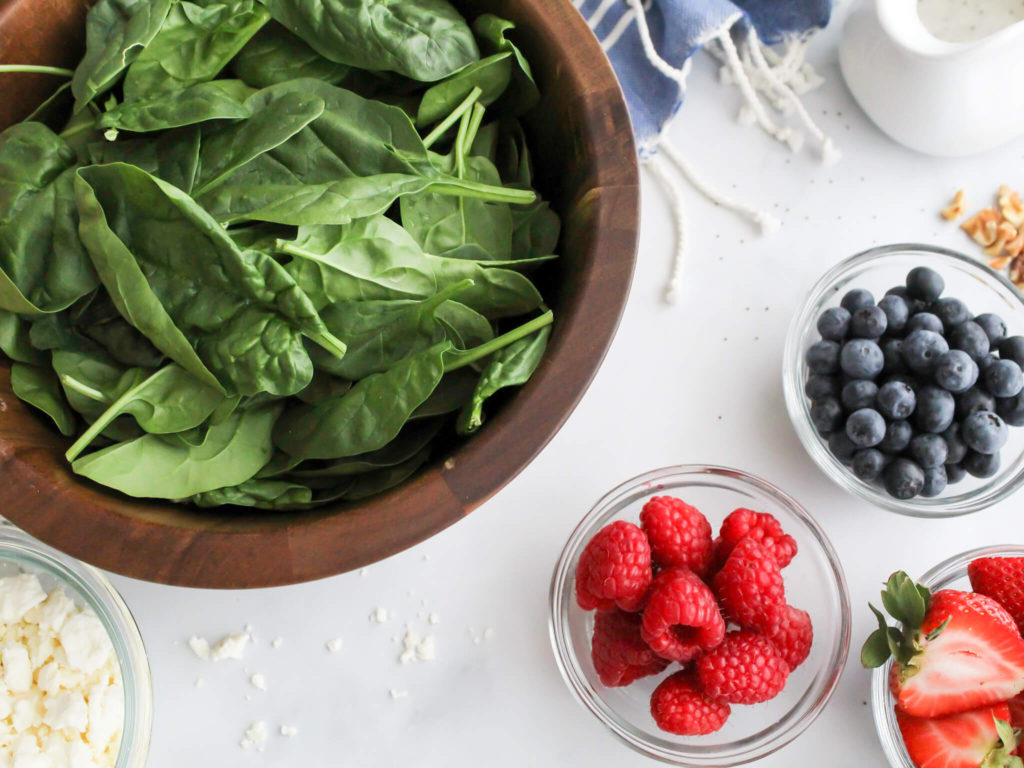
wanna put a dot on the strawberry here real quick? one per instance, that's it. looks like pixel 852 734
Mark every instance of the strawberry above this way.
pixel 1002 579
pixel 979 737
pixel 952 654
pixel 1016 705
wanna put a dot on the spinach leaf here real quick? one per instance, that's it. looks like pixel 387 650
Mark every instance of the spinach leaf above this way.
pixel 163 467
pixel 167 401
pixel 100 321
pixel 39 387
pixel 90 381
pixel 116 31
pixel 491 30
pixel 273 122
pixel 375 258
pixel 425 40
pixel 454 391
pixel 233 318
pixel 323 386
pixel 43 266
pixel 441 223
pixel 262 494
pixel 14 340
pixel 535 231
pixel 510 367
pixel 173 157
pixel 378 334
pixel 413 438
pixel 465 327
pixel 365 418
pixel 275 55
pixel 372 483
pixel 215 100
pixel 490 75
pixel 197 40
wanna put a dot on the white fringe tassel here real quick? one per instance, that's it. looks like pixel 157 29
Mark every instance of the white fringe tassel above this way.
pixel 673 73
pixel 675 195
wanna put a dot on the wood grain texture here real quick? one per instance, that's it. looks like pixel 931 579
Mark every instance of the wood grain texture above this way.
pixel 586 164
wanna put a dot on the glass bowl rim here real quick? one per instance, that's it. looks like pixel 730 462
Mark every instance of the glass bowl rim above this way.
pixel 93 588
pixel 573 676
pixel 881 700
pixel 799 410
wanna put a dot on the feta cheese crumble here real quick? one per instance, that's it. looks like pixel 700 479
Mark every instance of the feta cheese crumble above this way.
pixel 255 736
pixel 381 616
pixel 259 682
pixel 61 695
pixel 289 730
pixel 333 646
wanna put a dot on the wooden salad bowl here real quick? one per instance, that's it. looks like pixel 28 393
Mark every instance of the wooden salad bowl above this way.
pixel 586 165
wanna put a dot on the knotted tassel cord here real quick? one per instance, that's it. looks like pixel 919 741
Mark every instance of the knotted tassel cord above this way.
pixel 675 196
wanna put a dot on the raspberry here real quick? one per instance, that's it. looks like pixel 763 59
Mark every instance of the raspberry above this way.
pixel 744 669
pixel 743 523
pixel 619 654
pixel 679 534
pixel 614 569
pixel 678 706
pixel 682 617
pixel 792 636
pixel 750 586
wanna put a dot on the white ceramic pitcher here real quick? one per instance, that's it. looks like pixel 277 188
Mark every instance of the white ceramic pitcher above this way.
pixel 938 97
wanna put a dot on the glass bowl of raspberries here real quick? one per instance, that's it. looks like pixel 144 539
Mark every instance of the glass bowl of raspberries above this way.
pixel 903 379
pixel 701 615
pixel 954 692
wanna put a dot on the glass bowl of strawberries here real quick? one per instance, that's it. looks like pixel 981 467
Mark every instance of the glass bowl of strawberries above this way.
pixel 948 685
pixel 701 615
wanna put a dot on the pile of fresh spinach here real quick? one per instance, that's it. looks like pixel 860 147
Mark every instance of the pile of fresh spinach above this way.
pixel 270 252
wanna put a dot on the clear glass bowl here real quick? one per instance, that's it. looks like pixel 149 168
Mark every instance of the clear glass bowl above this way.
pixel 949 574
pixel 20 553
pixel 877 270
pixel 814 582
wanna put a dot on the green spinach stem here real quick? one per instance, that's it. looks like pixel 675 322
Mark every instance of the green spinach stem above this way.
pixel 469 188
pixel 460 359
pixel 474 127
pixel 448 122
pixel 329 342
pixel 113 411
pixel 37 69
pixel 84 389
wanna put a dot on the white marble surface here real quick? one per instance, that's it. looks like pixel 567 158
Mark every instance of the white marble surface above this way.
pixel 699 382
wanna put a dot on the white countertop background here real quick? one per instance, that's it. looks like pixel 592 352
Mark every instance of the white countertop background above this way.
pixel 699 382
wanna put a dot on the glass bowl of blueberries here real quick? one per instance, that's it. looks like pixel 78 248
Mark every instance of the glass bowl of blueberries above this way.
pixel 903 379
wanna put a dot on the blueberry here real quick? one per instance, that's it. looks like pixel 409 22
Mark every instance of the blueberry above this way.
pixel 859 393
pixel 928 450
pixel 827 415
pixel 925 321
pixel 893 359
pixel 865 427
pixel 985 362
pixel 841 446
pixel 971 338
pixel 896 400
pixel 897 290
pixel 984 432
pixel 955 473
pixel 973 400
pixel 994 327
pixel 934 411
pixel 819 386
pixel 868 463
pixel 1012 348
pixel 956 371
pixel 925 284
pixel 896 313
pixel 823 357
pixel 921 350
pixel 868 323
pixel 897 437
pixel 861 359
pixel 1004 378
pixel 1011 409
pixel 904 479
pixel 952 312
pixel 981 464
pixel 956 448
pixel 834 324
pixel 857 298
pixel 935 481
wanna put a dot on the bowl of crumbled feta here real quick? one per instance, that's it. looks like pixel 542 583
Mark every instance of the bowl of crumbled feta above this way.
pixel 75 687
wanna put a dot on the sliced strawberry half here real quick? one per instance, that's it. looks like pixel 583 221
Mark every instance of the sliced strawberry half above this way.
pixel 953 653
pixel 980 738
pixel 1016 705
pixel 1001 578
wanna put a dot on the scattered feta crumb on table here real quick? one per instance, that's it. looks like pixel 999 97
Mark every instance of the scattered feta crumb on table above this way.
pixel 277 642
pixel 258 681
pixel 380 616
pixel 334 645
pixel 289 730
pixel 255 736
pixel 433 618
pixel 396 693
pixel 200 646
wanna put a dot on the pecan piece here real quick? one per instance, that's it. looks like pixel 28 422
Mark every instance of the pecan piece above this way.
pixel 1011 206
pixel 983 226
pixel 956 209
